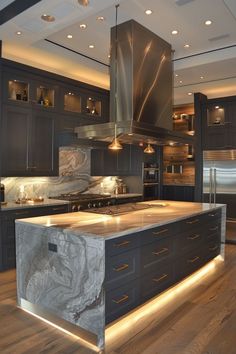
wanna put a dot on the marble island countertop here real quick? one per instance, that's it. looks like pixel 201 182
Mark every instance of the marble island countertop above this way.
pixel 107 226
pixel 12 205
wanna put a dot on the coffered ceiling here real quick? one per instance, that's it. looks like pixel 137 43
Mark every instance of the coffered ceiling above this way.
pixel 207 65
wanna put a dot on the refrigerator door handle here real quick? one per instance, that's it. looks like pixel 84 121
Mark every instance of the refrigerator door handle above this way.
pixel 214 186
pixel 210 184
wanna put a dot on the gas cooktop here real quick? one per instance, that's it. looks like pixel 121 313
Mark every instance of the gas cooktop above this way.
pixel 116 210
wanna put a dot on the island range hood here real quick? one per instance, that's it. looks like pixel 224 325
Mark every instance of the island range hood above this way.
pixel 141 79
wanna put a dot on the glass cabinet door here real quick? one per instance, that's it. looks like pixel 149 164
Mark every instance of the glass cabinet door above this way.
pixel 18 90
pixel 45 96
pixel 215 115
pixel 93 107
pixel 72 102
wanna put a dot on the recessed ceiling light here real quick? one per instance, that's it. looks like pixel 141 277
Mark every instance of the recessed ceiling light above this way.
pixel 176 75
pixel 100 18
pixel 217 107
pixel 91 46
pixel 48 18
pixel 83 2
pixel 69 36
pixel 109 55
pixel 82 25
pixel 181 82
pixel 18 33
pixel 201 77
pixel 190 93
pixel 208 22
pixel 186 45
pixel 174 32
pixel 148 12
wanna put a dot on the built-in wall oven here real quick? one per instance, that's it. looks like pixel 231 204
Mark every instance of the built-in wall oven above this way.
pixel 150 178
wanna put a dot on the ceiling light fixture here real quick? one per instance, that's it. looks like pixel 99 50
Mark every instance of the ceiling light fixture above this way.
pixel 149 149
pixel 201 77
pixel 100 18
pixel 48 18
pixel 18 33
pixel 148 12
pixel 83 2
pixel 115 144
pixel 174 32
pixel 187 46
pixel 208 22
pixel 180 81
pixel 176 75
pixel 190 93
pixel 69 36
pixel 83 26
pixel 91 46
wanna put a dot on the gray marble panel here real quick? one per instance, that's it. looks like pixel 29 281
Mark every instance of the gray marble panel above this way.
pixel 68 282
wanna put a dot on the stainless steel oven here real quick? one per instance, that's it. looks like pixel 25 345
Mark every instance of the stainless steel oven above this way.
pixel 150 178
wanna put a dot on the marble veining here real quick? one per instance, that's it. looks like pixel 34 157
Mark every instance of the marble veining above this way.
pixel 68 282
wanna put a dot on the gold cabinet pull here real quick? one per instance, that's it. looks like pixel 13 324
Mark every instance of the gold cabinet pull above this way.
pixel 194 237
pixel 214 228
pixel 163 250
pixel 192 221
pixel 193 260
pixel 162 277
pixel 156 233
pixel 122 267
pixel 121 244
pixel 213 248
pixel 124 298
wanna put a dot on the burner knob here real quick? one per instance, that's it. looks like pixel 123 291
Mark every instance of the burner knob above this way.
pixel 100 204
pixel 108 203
pixel 94 205
pixel 90 205
pixel 74 208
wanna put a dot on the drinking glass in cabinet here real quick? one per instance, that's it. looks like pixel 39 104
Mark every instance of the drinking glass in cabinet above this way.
pixel 45 96
pixel 18 90
pixel 215 115
pixel 93 107
pixel 72 102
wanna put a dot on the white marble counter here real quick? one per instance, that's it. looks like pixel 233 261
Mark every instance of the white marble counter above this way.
pixel 47 202
pixel 106 226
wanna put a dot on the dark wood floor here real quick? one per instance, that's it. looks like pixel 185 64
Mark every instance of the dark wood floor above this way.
pixel 204 323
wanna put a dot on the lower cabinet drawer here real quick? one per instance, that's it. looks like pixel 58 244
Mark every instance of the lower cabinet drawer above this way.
pixel 189 240
pixel 155 282
pixel 212 250
pixel 213 231
pixel 121 300
pixel 122 268
pixel 189 262
pixel 154 253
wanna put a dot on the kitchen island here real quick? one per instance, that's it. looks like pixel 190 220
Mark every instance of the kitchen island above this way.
pixel 81 271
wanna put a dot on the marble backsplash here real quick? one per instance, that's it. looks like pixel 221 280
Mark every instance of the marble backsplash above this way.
pixel 74 176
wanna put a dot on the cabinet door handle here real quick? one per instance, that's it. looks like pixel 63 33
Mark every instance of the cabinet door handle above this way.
pixel 124 298
pixel 122 267
pixel 121 244
pixel 192 221
pixel 156 233
pixel 213 248
pixel 157 280
pixel 163 250
pixel 194 237
pixel 193 260
pixel 214 228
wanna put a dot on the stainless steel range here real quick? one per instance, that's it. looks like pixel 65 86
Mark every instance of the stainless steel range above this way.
pixel 84 201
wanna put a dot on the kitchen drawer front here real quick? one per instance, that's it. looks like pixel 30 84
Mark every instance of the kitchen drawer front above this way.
pixel 157 233
pixel 212 250
pixel 154 253
pixel 189 262
pixel 213 231
pixel 122 268
pixel 189 240
pixel 213 215
pixel 155 282
pixel 121 300
pixel 121 244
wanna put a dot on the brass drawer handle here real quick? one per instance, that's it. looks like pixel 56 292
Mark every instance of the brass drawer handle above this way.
pixel 120 268
pixel 192 222
pixel 163 250
pixel 194 237
pixel 157 280
pixel 121 244
pixel 160 232
pixel 214 228
pixel 213 248
pixel 193 260
pixel 124 298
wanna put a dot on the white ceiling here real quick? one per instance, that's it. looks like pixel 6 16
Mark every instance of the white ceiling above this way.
pixel 203 57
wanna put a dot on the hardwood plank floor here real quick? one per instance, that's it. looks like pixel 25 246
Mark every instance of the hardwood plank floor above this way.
pixel 204 323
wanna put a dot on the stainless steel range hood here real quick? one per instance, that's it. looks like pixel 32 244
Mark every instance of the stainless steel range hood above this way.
pixel 144 90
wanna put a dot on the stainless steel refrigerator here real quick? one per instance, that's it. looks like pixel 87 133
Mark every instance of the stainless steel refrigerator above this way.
pixel 219 184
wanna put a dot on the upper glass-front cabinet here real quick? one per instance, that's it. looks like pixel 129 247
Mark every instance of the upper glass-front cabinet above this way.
pixel 45 96
pixel 72 102
pixel 93 107
pixel 215 115
pixel 18 90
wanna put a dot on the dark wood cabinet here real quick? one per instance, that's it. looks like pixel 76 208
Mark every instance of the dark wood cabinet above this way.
pixel 143 264
pixel 219 125
pixel 179 193
pixel 125 162
pixel 7 231
pixel 29 142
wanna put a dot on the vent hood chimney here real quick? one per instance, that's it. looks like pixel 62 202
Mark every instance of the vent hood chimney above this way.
pixel 144 90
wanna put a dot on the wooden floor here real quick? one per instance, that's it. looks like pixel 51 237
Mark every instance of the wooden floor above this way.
pixel 205 323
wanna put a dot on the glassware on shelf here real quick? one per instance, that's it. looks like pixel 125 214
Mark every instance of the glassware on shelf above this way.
pixel 41 99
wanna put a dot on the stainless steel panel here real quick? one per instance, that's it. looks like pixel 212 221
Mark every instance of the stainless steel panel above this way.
pixel 219 155
pixel 225 177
